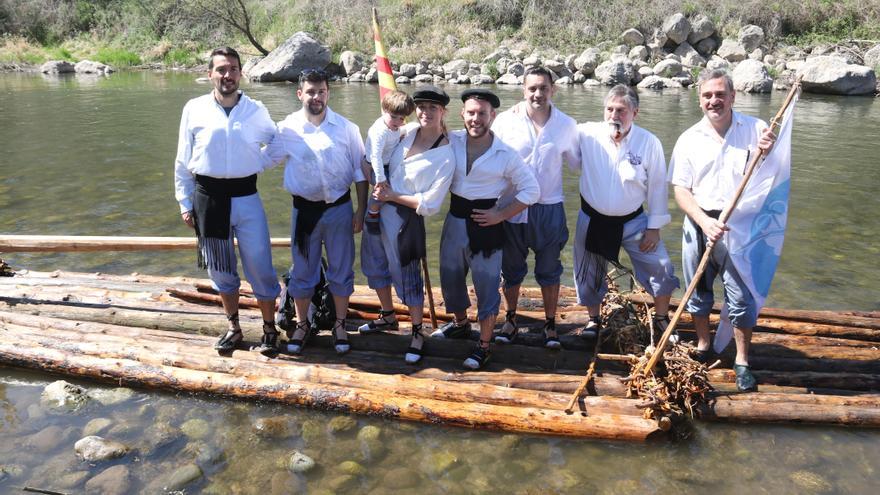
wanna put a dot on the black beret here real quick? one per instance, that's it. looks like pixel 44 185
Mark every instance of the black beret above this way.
pixel 432 94
pixel 481 94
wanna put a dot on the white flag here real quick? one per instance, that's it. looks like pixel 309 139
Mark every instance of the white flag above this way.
pixel 757 224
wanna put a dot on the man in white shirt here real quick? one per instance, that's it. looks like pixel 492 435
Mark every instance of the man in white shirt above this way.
pixel 708 163
pixel 623 168
pixel 473 235
pixel 323 151
pixel 215 183
pixel 543 136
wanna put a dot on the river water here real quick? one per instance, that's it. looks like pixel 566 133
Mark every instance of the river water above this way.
pixel 93 156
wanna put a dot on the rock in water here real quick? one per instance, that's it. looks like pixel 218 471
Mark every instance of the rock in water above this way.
pixel 832 75
pixel 286 62
pixel 183 476
pixel 112 481
pixel 300 463
pixel 615 71
pixel 57 67
pixel 96 449
pixel 61 396
pixel 751 76
pixel 91 67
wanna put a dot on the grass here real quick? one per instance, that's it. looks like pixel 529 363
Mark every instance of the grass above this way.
pixel 180 57
pixel 17 50
pixel 117 57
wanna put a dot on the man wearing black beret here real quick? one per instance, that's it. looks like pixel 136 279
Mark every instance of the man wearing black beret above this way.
pixel 473 234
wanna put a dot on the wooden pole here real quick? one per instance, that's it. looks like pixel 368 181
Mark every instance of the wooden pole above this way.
pixel 586 381
pixel 430 294
pixel 725 215
pixel 66 243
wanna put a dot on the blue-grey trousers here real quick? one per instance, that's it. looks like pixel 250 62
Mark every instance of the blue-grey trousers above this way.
pixel 456 260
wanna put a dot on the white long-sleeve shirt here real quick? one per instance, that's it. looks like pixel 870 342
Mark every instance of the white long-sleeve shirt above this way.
pixel 380 145
pixel 220 146
pixel 322 161
pixel 542 151
pixel 711 167
pixel 496 170
pixel 616 180
pixel 426 175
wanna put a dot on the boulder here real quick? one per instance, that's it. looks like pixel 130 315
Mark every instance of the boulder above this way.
pixel 509 79
pixel 461 79
pixel 251 62
pixel 706 47
pixel 587 61
pixel 555 66
pixel 372 75
pixel 615 71
pixel 300 463
pixel 569 62
pixel 717 62
pixel 751 37
pixel 456 67
pixel 677 28
pixel 659 37
pixel 564 81
pixel 757 54
pixel 351 61
pixel 701 28
pixel 501 52
pixel 482 79
pixel 532 60
pixel 620 50
pixel 516 68
pixel 645 71
pixel 667 68
pixel 750 76
pixel 689 56
pixel 285 63
pixel 684 79
pixel 112 481
pixel 633 37
pixel 657 82
pixel 90 67
pixel 872 57
pixel 579 78
pixel 48 439
pixel 408 70
pixel 423 78
pixel 732 51
pixel 112 396
pixel 832 75
pixel 273 427
pixel 96 449
pixel 60 396
pixel 196 428
pixel 96 426
pixel 638 53
pixel 181 477
pixel 423 67
pixel 57 67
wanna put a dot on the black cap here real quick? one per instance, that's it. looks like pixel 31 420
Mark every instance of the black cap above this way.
pixel 432 94
pixel 481 94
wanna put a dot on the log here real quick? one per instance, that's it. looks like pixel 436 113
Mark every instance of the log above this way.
pixel 769 408
pixel 471 415
pixel 75 243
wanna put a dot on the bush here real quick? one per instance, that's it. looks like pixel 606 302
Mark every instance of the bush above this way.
pixel 180 57
pixel 117 57
pixel 59 53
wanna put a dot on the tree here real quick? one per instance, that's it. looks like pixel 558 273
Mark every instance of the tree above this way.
pixel 234 13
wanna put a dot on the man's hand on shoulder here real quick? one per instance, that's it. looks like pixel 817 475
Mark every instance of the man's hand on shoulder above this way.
pixel 188 219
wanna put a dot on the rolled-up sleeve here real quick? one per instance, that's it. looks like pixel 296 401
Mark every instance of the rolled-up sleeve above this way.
pixel 527 189
pixel 184 180
pixel 356 152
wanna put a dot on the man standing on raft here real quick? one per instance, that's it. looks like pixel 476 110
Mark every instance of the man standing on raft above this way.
pixel 543 136
pixel 473 235
pixel 215 182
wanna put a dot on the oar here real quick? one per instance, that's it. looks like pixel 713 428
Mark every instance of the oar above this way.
pixel 67 243
pixel 725 215
pixel 430 294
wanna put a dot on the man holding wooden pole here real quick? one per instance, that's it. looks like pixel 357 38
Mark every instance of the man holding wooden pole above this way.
pixel 215 182
pixel 708 164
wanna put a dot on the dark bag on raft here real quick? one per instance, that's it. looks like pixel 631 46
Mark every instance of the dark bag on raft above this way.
pixel 322 309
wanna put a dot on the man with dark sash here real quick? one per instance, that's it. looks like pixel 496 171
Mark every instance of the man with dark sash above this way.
pixel 543 136
pixel 473 234
pixel 215 182
pixel 707 165
pixel 323 151
pixel 623 168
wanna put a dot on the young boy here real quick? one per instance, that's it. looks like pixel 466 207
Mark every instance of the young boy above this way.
pixel 383 137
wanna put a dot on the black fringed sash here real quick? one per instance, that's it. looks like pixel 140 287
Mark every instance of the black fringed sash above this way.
pixel 604 237
pixel 701 246
pixel 411 240
pixel 482 240
pixel 308 215
pixel 212 206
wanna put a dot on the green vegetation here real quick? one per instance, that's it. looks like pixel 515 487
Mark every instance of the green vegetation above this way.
pixel 176 31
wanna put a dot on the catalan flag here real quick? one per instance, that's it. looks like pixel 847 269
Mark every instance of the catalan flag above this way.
pixel 383 66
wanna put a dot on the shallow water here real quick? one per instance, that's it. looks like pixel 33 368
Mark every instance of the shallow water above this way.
pixel 93 156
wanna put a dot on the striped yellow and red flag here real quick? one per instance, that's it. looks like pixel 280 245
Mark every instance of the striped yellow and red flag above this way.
pixel 383 66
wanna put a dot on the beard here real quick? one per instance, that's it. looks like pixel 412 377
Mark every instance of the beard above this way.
pixel 477 132
pixel 227 88
pixel 315 107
